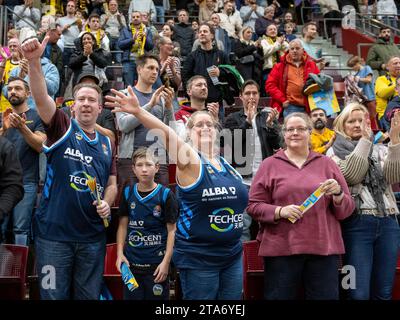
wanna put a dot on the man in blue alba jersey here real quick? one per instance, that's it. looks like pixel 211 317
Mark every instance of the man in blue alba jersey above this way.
pixel 69 226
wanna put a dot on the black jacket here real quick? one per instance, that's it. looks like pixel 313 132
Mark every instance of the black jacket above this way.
pixel 100 58
pixel 253 69
pixel 11 187
pixel 270 138
pixel 185 36
pixel 197 63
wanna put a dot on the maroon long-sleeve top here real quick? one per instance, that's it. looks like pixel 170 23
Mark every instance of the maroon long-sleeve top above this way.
pixel 279 182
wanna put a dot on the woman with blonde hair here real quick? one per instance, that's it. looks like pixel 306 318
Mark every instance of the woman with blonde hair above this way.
pixel 249 54
pixel 297 245
pixel 212 198
pixel 371 235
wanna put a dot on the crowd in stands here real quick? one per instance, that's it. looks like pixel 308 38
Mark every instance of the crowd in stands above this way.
pixel 180 138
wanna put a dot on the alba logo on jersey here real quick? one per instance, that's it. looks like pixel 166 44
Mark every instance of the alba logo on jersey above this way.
pixel 218 191
pixel 225 219
pixel 75 154
pixel 78 182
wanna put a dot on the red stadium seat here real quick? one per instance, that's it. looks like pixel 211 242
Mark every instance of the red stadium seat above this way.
pixel 396 287
pixel 111 275
pixel 32 278
pixel 253 272
pixel 13 265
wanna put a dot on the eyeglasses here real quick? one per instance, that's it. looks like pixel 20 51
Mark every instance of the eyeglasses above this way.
pixel 299 130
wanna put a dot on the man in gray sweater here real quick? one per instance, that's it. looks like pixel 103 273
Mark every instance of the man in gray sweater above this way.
pixel 134 134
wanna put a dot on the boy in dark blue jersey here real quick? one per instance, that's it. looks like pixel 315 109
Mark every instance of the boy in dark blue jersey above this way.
pixel 146 234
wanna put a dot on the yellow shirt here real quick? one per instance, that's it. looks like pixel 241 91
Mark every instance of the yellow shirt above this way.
pixel 319 141
pixel 4 104
pixel 384 91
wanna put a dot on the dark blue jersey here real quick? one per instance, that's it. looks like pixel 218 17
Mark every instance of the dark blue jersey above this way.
pixel 66 211
pixel 147 233
pixel 210 221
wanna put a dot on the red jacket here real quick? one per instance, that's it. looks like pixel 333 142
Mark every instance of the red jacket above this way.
pixel 184 112
pixel 276 83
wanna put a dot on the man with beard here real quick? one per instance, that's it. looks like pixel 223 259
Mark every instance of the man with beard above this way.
pixel 24 129
pixel 322 138
pixel 382 51
pixel 197 90
pixel 204 61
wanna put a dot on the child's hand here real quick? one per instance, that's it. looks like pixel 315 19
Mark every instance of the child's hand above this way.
pixel 161 272
pixel 121 258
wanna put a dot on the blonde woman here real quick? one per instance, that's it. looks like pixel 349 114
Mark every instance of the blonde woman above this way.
pixel 371 234
pixel 212 198
pixel 249 54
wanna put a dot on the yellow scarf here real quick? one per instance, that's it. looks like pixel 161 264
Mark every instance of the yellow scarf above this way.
pixel 138 46
pixel 277 54
pixel 98 35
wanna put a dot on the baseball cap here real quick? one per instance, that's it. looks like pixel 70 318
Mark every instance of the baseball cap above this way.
pixel 87 74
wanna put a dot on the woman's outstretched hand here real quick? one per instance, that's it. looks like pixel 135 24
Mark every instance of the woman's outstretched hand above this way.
pixel 123 103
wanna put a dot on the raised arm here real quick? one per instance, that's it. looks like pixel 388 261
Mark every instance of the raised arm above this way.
pixel 33 50
pixel 178 150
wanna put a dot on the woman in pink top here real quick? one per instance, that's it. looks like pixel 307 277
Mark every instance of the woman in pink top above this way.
pixel 306 252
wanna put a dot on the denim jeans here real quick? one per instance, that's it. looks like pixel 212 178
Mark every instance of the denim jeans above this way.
pixel 22 216
pixel 160 10
pixel 117 56
pixel 213 284
pixel 384 124
pixel 372 245
pixel 70 270
pixel 66 55
pixel 129 72
pixel 284 277
pixel 291 108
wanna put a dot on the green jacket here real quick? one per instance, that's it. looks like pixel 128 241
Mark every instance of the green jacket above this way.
pixel 380 53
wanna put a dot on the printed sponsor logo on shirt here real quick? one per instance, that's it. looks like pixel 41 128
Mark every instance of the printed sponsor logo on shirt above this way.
pixel 136 223
pixel 210 170
pixel 217 191
pixel 157 211
pixel 77 155
pixel 78 136
pixel 225 219
pixel 78 181
pixel 157 289
pixel 105 149
pixel 137 239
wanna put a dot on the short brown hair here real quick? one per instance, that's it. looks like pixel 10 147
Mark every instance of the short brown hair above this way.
pixel 142 60
pixel 249 82
pixel 192 79
pixel 306 25
pixel 79 86
pixel 354 60
pixel 143 152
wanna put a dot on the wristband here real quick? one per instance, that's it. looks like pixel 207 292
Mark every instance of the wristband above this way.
pixel 339 193
pixel 279 213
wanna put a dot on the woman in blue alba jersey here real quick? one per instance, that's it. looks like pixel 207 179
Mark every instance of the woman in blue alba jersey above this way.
pixel 212 198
